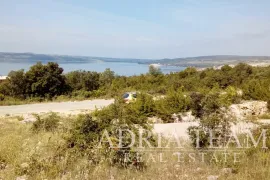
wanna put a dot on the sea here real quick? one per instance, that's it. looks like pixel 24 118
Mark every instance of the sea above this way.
pixel 120 68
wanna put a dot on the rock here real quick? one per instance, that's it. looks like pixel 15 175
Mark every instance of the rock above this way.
pixel 248 108
pixel 112 177
pixel 212 177
pixel 177 166
pixel 187 117
pixel 199 169
pixel 176 118
pixel 227 171
pixel 29 118
pixel 24 165
pixel 21 178
pixel 3 165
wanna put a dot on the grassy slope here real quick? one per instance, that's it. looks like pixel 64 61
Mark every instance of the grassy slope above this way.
pixel 19 145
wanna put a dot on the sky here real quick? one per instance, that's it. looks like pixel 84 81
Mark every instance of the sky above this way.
pixel 151 29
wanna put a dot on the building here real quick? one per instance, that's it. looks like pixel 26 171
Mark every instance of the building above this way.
pixel 2 78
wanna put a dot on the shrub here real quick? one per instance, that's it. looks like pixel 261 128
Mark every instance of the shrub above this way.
pixel 83 80
pixel 154 71
pixel 45 80
pixel 174 102
pixel 144 105
pixel 196 104
pixel 48 123
pixel 203 136
pixel 211 103
pixel 218 123
pixel 85 132
pixel 88 130
pixel 268 105
pixel 17 83
pixel 2 97
pixel 230 96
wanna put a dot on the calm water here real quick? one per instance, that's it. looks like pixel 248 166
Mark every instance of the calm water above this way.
pixel 127 69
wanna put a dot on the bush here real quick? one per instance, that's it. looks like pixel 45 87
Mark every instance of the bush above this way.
pixel 196 104
pixel 83 80
pixel 203 136
pixel 211 103
pixel 218 123
pixel 174 102
pixel 49 123
pixel 144 105
pixel 154 71
pixel 88 130
pixel 85 132
pixel 45 80
pixel 2 97
pixel 230 96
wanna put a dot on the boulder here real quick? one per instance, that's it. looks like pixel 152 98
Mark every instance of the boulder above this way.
pixel 248 108
pixel 24 165
pixel 21 178
pixel 227 171
pixel 28 118
pixel 212 177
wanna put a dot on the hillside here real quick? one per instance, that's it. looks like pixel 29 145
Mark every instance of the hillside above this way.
pixel 31 57
pixel 209 61
pixel 200 61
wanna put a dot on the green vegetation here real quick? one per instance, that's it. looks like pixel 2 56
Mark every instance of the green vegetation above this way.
pixel 69 152
pixel 47 82
pixel 67 147
pixel 49 123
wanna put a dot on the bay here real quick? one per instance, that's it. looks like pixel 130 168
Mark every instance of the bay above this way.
pixel 120 68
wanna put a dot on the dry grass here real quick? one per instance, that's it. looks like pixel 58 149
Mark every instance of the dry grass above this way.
pixel 24 152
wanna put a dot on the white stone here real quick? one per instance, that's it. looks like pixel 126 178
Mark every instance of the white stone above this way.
pixel 248 108
pixel 212 177
pixel 24 165
pixel 227 170
pixel 28 118
pixel 21 178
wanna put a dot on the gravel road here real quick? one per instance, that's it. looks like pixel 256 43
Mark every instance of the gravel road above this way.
pixel 61 107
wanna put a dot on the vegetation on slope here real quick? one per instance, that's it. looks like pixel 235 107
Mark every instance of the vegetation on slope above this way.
pixel 57 147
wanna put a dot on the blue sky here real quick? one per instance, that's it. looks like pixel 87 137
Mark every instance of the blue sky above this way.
pixel 137 28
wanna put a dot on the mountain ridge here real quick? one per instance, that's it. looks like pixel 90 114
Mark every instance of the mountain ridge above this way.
pixel 198 61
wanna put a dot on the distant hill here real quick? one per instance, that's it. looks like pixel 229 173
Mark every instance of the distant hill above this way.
pixel 209 61
pixel 200 61
pixel 31 57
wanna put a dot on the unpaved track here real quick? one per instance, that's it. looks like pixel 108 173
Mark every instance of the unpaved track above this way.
pixel 61 107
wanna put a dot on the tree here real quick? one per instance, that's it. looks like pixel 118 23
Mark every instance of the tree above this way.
pixel 16 83
pixel 154 70
pixel 226 68
pixel 241 72
pixel 45 80
pixel 211 103
pixel 196 104
pixel 83 80
pixel 216 124
pixel 106 77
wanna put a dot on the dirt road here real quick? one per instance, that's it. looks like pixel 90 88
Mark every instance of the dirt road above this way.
pixel 61 107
